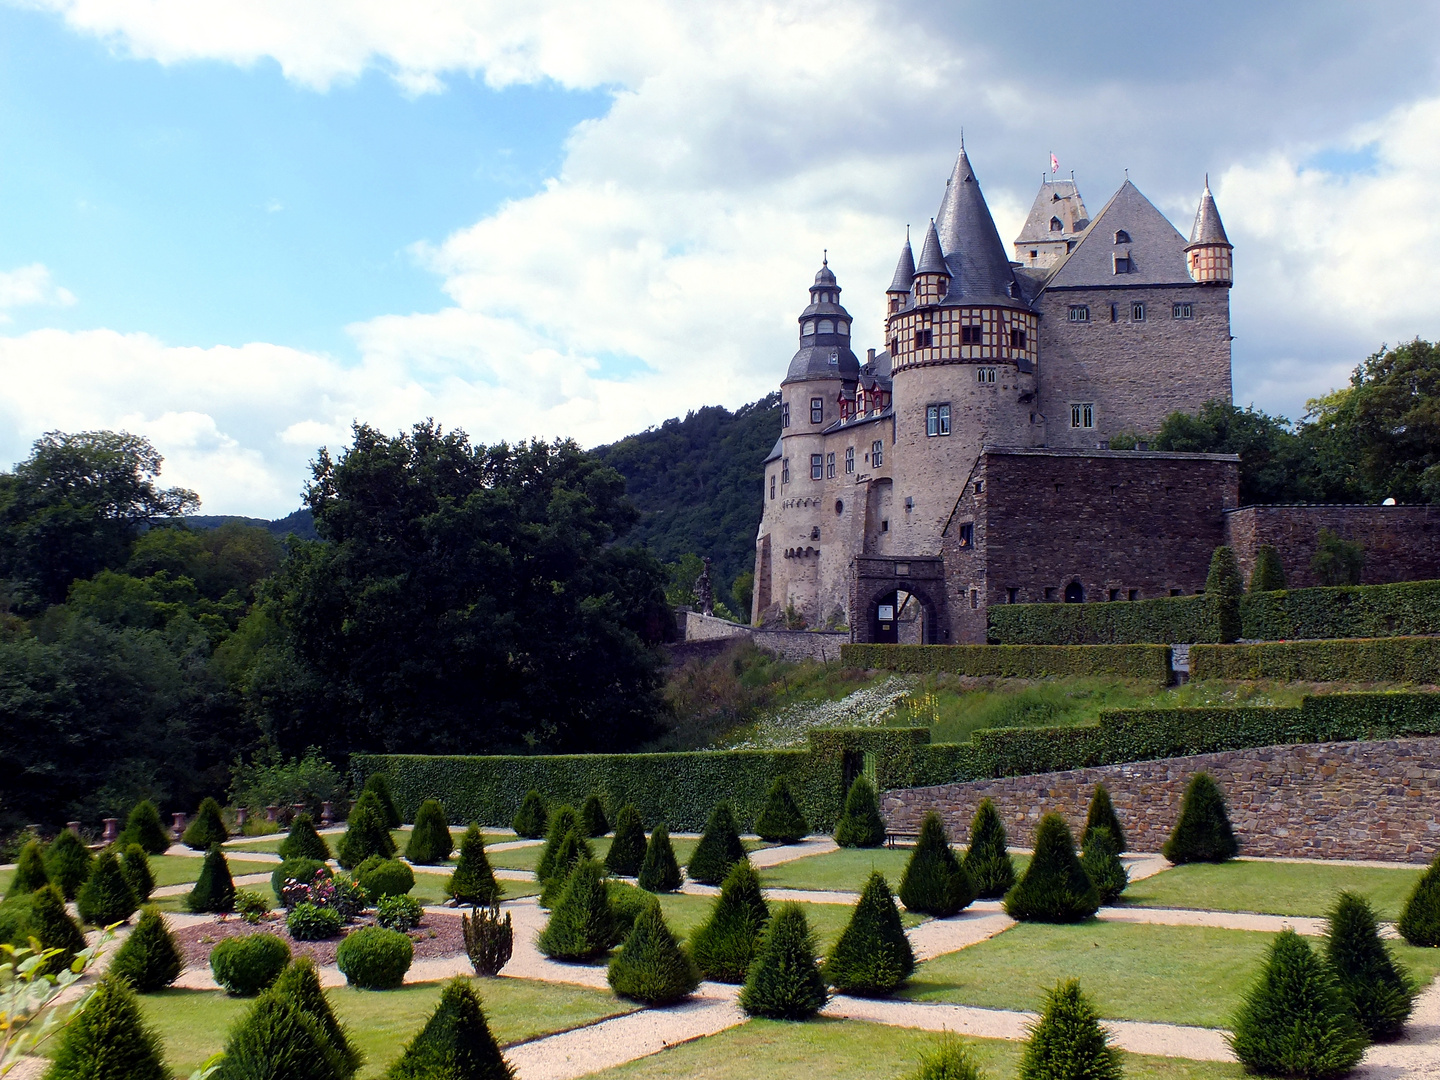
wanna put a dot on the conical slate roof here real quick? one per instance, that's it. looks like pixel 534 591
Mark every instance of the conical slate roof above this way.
pixel 1208 229
pixel 932 258
pixel 979 266
pixel 904 270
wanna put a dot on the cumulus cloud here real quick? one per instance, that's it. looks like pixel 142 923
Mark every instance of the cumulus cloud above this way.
pixel 30 285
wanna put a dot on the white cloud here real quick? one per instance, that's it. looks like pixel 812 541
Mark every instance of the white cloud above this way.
pixel 30 285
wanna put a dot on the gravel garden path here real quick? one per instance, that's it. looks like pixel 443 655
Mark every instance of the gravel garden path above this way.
pixel 1417 1054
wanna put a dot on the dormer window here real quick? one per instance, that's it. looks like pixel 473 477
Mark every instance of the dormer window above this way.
pixel 1122 237
pixel 1056 225
pixel 1122 264
pixel 809 328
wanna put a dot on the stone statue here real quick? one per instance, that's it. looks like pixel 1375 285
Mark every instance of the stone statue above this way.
pixel 704 594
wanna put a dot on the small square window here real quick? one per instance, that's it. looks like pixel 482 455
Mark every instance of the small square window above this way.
pixel 937 420
pixel 1137 312
pixel 817 467
pixel 1050 591
pixel 1184 311
pixel 877 453
pixel 1017 339
pixel 1133 594
pixel 979 487
pixel 849 459
pixel 1012 596
pixel 1122 264
pixel 924 339
pixel 1079 313
pixel 817 410
pixel 967 534
pixel 884 525
pixel 830 466
pixel 1114 594
pixel 971 335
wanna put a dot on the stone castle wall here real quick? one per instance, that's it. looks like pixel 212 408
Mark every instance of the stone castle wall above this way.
pixel 1350 800
pixel 1402 543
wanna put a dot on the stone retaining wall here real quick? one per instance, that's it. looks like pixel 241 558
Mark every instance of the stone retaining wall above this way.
pixel 1349 800
pixel 793 645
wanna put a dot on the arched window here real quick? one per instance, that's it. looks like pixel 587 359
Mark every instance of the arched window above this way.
pixel 1122 237
pixel 842 326
pixel 809 328
pixel 1056 225
pixel 1074 593
pixel 827 326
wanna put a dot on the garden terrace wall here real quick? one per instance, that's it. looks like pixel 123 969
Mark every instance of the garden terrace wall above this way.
pixel 1333 800
pixel 1149 662
pixel 1400 542
pixel 1402 659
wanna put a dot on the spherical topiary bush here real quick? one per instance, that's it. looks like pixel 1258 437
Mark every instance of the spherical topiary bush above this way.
pixel 473 882
pixel 1101 815
pixel 627 849
pixel 208 828
pixel 246 965
pixel 143 827
pixel 68 863
pixel 377 785
pixel 1068 1041
pixel 1203 833
pixel 150 957
pixel 1420 918
pixel 455 1043
pixel 987 860
pixel 872 955
pixel 388 877
pixel 582 925
pixel 1103 866
pixel 306 922
pixel 725 944
pixel 278 1040
pixel 1294 1021
pixel 430 840
pixel 301 870
pixel 562 822
pixel 375 958
pixel 29 871
pixel 401 913
pixel 934 882
pixel 531 819
pixel 109 1040
pixel 781 822
pixel 1379 991
pixel 1055 887
pixel 651 967
pixel 860 824
pixel 660 872
pixel 106 897
pixel 215 889
pixel 719 848
pixel 135 865
pixel 300 984
pixel 52 925
pixel 593 821
pixel 365 835
pixel 303 842
pixel 784 981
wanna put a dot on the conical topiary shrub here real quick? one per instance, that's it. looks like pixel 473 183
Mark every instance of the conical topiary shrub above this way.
pixel 660 872
pixel 581 927
pixel 781 821
pixel 593 821
pixel 430 839
pixel 143 827
pixel 562 821
pixel 724 945
pixel 1102 816
pixel 719 848
pixel 1203 833
pixel 627 850
pixel 52 925
pixel 1223 586
pixel 1068 1041
pixel 651 967
pixel 934 882
pixel 531 819
pixel 1103 866
pixel 215 889
pixel 135 865
pixel 872 956
pixel 278 1040
pixel 300 982
pixel 29 871
pixel 150 958
pixel 948 1059
pixel 987 860
pixel 303 842
pixel 1294 1021
pixel 571 851
pixel 106 897
pixel 1420 918
pixel 365 835
pixel 473 882
pixel 1268 575
pixel 1379 991
pixel 860 824
pixel 784 982
pixel 109 1040
pixel 68 863
pixel 208 828
pixel 377 785
pixel 1055 888
pixel 455 1043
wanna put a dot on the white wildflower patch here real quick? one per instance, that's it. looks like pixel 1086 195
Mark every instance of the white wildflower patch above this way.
pixel 791 726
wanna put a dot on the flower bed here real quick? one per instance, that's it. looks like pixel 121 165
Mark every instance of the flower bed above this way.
pixel 436 936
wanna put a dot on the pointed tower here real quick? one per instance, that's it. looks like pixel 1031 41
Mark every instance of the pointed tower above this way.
pixel 1052 229
pixel 899 291
pixel 932 276
pixel 1208 255
pixel 979 267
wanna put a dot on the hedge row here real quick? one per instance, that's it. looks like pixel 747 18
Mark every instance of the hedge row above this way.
pixel 1150 662
pixel 1394 659
pixel 1407 607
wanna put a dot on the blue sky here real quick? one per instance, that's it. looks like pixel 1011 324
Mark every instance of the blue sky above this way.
pixel 237 227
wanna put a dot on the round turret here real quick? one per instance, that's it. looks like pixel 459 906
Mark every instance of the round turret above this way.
pixel 1208 256
pixel 824 335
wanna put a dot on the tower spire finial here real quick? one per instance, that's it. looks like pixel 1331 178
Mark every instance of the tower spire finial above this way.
pixel 824 256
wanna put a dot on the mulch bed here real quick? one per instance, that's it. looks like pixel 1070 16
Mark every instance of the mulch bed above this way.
pixel 437 935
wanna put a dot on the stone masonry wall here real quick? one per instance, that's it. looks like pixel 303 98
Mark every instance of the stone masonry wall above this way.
pixel 1402 543
pixel 1351 800
pixel 792 645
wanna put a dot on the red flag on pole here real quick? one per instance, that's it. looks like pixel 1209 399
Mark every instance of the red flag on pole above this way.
pixel 1054 163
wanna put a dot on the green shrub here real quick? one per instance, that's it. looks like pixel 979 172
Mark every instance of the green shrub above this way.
pixel 784 981
pixel 15 918
pixel 627 903
pixel 473 882
pixel 489 941
pixel 1203 833
pixel 1223 588
pixel 1267 575
pixel 109 1040
pixel 278 1040
pixel 150 958
pixel 651 967
pixel 301 870
pixel 1293 1021
pixel 135 865
pixel 860 826
pixel 251 905
pixel 1337 561
pixel 214 889
pixel 1150 663
pixel 1055 888
pixel 627 850
pixel 934 882
pixel 593 821
pixel 1103 865
pixel 387 877
pixel 531 819
pixel 430 839
pixel 582 926
pixel 660 872
pixel 724 945
pixel 562 822
pixel 401 913
pixel 719 848
pixel 106 897
pixel 143 827
pixel 208 828
pixel 49 922
pixel 1385 659
pixel 365 835
pixel 303 842
pixel 987 860
pixel 29 871
pixel 1067 1042
pixel 246 965
pixel 948 1059
pixel 300 984
pixel 1102 816
pixel 454 1044
pixel 306 922
pixel 1380 992
pixel 573 848
pixel 374 958
pixel 781 822
pixel 872 956
pixel 377 788
pixel 1160 621
pixel 1420 918
pixel 68 863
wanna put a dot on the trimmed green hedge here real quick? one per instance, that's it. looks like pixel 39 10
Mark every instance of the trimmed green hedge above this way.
pixel 1394 659
pixel 1151 662
pixel 1166 620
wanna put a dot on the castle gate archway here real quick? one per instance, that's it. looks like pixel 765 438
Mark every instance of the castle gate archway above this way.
pixel 898 599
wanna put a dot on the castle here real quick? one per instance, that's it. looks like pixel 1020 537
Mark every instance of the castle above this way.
pixel 965 463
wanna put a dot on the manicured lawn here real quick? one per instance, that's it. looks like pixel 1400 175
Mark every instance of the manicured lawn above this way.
pixel 849 1050
pixel 685 913
pixel 193 1023
pixel 430 888
pixel 1273 888
pixel 846 870
pixel 527 858
pixel 180 869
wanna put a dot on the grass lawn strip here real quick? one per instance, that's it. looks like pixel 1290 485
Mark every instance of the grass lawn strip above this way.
pixel 1273 888
pixel 846 870
pixel 684 913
